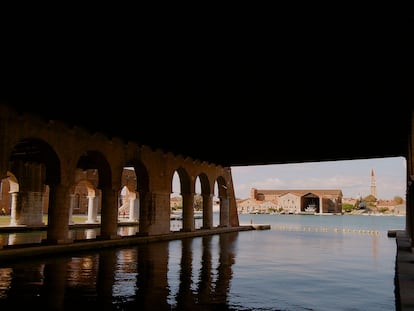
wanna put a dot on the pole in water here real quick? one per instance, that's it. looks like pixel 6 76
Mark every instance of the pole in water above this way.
pixel 251 221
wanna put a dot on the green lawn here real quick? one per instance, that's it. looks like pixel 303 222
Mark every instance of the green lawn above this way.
pixel 4 220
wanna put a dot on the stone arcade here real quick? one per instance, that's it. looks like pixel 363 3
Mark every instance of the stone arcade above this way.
pixel 44 162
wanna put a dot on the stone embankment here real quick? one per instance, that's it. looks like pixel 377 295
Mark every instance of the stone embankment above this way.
pixel 373 212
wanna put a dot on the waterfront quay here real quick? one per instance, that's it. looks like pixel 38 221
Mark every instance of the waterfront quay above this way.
pixel 24 251
pixel 404 271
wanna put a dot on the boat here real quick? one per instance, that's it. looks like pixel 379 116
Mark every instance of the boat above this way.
pixel 179 215
pixel 311 208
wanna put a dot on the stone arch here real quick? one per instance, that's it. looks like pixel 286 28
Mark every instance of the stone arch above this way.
pixel 9 193
pixel 222 187
pixel 187 188
pixel 95 160
pixel 310 202
pixel 176 202
pixel 39 158
pixel 84 198
pixel 37 151
pixel 185 182
pixel 36 168
pixel 128 195
pixel 140 207
pixel 207 195
pixel 8 184
pixel 128 204
pixel 224 201
pixel 14 183
pixel 205 184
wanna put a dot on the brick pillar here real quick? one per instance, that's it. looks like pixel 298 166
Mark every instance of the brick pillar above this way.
pixel 109 214
pixel 410 213
pixel 188 212
pixel 145 213
pixel 31 192
pixel 58 215
pixel 31 208
pixel 409 204
pixel 154 216
pixel 161 207
pixel 207 211
pixel 224 212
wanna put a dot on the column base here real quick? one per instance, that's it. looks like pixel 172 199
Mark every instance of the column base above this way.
pixel 108 237
pixel 56 242
pixel 142 234
pixel 187 230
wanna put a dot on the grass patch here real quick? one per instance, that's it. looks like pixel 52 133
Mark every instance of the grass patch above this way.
pixel 5 220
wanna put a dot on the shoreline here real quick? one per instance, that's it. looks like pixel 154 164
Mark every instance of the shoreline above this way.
pixel 328 214
pixel 23 251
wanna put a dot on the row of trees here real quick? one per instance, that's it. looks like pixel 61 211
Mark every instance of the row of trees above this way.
pixel 368 202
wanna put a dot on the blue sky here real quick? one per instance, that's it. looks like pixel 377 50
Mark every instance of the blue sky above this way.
pixel 353 177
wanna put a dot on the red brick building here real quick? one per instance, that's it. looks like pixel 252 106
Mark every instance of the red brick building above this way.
pixel 293 201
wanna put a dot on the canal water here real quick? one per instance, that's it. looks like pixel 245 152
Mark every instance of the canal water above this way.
pixel 304 262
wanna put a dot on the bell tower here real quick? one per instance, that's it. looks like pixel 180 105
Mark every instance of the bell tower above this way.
pixel 373 184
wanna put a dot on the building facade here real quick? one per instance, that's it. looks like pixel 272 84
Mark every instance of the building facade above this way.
pixel 293 201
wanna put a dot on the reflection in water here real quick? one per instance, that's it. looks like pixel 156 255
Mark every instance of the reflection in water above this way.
pixel 129 278
pixel 23 286
pixel 276 269
pixel 53 289
pixel 226 260
pixel 177 224
pixel 185 298
pixel 127 230
pixel 82 234
pixel 205 283
pixel 29 237
pixel 152 282
pixel 25 237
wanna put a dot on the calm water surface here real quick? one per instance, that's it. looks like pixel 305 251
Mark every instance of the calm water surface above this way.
pixel 303 263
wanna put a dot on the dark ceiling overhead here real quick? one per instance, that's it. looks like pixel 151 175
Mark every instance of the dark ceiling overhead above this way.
pixel 327 88
pixel 245 124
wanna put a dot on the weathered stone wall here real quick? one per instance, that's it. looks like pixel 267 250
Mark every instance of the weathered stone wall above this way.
pixel 64 151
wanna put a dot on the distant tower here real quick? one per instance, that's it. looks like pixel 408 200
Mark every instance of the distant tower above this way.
pixel 373 186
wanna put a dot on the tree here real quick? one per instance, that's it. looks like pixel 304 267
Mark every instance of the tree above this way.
pixel 198 202
pixel 370 199
pixel 398 200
